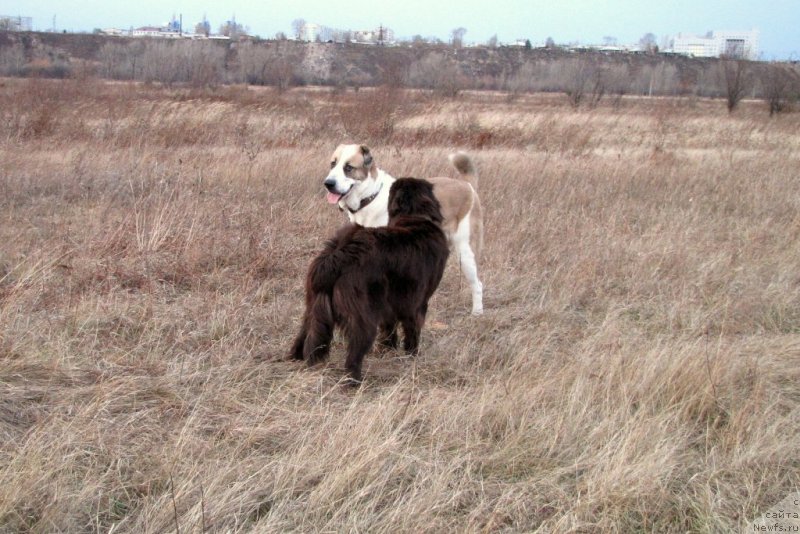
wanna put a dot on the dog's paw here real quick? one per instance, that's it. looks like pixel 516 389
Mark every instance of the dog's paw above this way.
pixel 351 382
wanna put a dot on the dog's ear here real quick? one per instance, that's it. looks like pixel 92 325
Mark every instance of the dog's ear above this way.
pixel 366 155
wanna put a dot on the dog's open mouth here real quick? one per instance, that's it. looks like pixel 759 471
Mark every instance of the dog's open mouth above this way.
pixel 333 198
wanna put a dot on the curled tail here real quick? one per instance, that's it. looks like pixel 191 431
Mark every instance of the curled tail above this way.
pixel 464 165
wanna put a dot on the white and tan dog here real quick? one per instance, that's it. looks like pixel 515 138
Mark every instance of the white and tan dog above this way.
pixel 361 189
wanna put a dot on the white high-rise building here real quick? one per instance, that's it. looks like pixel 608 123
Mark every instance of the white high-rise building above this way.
pixel 742 44
pixel 310 31
pixel 736 44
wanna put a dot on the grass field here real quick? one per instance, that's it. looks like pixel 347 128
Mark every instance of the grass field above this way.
pixel 637 368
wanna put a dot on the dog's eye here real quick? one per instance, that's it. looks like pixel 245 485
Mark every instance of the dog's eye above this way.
pixel 348 167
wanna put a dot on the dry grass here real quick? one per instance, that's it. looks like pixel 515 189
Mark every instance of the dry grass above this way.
pixel 637 368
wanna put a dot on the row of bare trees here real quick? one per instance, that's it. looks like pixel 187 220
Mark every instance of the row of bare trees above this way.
pixel 776 83
pixel 200 63
pixel 167 62
pixel 585 79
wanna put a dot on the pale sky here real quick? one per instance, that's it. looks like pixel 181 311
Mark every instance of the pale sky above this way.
pixel 566 21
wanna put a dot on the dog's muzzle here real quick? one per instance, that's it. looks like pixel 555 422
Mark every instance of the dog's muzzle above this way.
pixel 330 184
pixel 334 196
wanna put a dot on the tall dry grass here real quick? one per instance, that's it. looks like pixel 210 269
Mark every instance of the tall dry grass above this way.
pixel 636 370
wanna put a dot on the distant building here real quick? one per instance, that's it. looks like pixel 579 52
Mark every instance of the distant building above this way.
pixel 174 25
pixel 115 31
pixel 736 44
pixel 203 28
pixel 742 45
pixel 16 24
pixel 376 36
pixel 155 31
pixel 171 29
pixel 693 45
pixel 309 32
pixel 316 32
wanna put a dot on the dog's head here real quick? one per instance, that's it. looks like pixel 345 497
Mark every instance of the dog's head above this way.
pixel 412 196
pixel 352 173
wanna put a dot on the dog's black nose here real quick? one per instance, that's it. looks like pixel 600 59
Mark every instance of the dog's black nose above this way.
pixel 330 183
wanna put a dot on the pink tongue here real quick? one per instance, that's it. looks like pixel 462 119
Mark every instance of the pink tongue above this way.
pixel 333 198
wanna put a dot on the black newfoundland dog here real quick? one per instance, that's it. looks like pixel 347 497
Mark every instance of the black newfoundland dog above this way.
pixel 371 278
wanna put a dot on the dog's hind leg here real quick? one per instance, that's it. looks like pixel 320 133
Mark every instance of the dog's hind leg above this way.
pixel 388 337
pixel 470 269
pixel 412 327
pixel 321 323
pixel 360 337
pixel 296 353
pixel 468 263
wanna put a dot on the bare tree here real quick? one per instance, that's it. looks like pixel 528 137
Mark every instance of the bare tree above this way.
pixel 161 62
pixel 648 43
pixel 458 37
pixel 617 79
pixel 134 59
pixel 122 61
pixel 584 78
pixel 299 28
pixel 274 64
pixel 655 79
pixel 735 81
pixel 203 63
pixel 12 60
pixel 435 71
pixel 394 69
pixel 111 56
pixel 253 61
pixel 777 84
pixel 597 87
pixel 284 72
pixel 522 80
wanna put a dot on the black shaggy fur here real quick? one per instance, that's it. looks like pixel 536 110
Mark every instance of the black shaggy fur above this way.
pixel 367 278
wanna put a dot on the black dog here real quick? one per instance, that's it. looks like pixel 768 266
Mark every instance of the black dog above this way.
pixel 367 278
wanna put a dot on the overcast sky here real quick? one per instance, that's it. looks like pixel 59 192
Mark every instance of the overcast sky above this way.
pixel 566 21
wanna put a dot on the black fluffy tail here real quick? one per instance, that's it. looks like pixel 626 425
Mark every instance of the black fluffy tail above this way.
pixel 324 271
pixel 340 254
